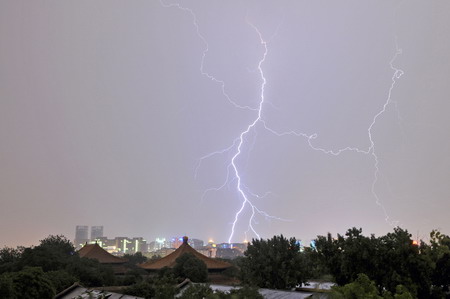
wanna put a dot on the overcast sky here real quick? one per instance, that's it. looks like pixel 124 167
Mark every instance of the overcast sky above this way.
pixel 107 108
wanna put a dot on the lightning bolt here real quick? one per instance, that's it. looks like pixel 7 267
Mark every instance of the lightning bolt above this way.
pixel 204 53
pixel 397 73
pixel 250 127
pixel 237 145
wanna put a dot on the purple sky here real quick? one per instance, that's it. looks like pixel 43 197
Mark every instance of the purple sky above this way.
pixel 107 107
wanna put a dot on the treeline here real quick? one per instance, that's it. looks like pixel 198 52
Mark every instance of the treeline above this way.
pixel 42 271
pixel 390 266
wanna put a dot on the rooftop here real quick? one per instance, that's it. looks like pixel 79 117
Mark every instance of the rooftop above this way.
pixel 94 251
pixel 170 260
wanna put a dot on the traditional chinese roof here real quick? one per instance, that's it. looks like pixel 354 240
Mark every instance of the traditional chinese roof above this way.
pixel 170 260
pixel 94 251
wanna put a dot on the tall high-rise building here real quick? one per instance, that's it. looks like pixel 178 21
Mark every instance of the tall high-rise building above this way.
pixel 81 235
pixel 96 232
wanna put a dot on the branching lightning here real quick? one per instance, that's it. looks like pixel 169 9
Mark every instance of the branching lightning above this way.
pixel 204 53
pixel 233 171
pixel 241 141
pixel 397 73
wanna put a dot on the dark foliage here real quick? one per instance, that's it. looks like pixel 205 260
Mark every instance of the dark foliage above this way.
pixel 135 259
pixel 142 289
pixel 60 279
pixel 390 261
pixel 31 282
pixel 275 263
pixel 6 286
pixel 197 291
pixel 188 266
pixel 52 254
pixel 60 265
pixel 9 258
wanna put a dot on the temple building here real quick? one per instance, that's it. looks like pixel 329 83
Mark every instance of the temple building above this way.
pixel 213 265
pixel 94 251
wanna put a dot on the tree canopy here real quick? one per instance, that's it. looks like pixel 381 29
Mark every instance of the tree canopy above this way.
pixel 188 266
pixel 274 263
pixel 391 261
pixel 52 265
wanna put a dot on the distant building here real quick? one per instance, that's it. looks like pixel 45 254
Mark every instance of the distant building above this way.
pixel 224 245
pixel 81 235
pixel 208 251
pixel 241 246
pixel 96 232
pixel 161 252
pixel 121 244
pixel 175 242
pixel 126 245
pixel 196 243
pixel 138 245
pixel 158 244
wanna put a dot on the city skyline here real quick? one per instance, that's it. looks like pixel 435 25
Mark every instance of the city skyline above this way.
pixel 223 120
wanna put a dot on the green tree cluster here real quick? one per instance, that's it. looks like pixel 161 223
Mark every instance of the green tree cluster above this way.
pixel 46 269
pixel 391 261
pixel 364 288
pixel 188 266
pixel 275 263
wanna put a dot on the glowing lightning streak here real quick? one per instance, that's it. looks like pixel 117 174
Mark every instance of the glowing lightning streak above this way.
pixel 241 137
pixel 246 201
pixel 371 150
pixel 397 74
pixel 241 141
pixel 205 51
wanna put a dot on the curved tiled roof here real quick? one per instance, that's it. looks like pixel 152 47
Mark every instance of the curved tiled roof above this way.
pixel 170 260
pixel 94 251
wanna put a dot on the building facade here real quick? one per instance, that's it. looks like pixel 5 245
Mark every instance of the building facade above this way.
pixel 96 232
pixel 81 235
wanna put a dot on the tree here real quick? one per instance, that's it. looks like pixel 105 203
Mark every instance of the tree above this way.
pixel 361 288
pixel 140 289
pixel 90 272
pixel 60 279
pixel 135 259
pixel 348 256
pixel 389 260
pixel 364 288
pixel 274 263
pixel 188 266
pixel 165 287
pixel 6 286
pixel 53 253
pixel 403 263
pixel 439 254
pixel 197 291
pixel 9 258
pixel 31 282
pixel 402 293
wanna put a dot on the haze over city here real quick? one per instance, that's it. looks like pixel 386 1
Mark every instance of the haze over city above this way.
pixel 154 118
